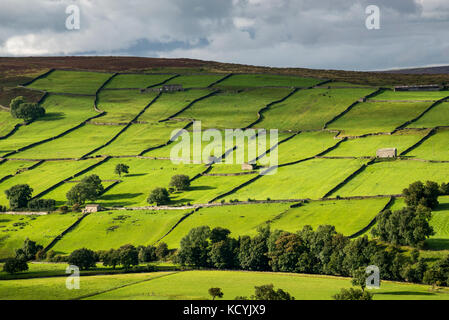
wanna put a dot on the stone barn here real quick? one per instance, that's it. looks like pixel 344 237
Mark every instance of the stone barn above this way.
pixel 387 153
pixel 247 166
pixel 171 88
pixel 89 208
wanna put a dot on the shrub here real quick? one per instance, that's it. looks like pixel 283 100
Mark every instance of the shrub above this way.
pixel 14 265
pixel 353 294
pixel 267 292
pixel 83 258
pixel 64 209
pixel 180 182
pixel 42 204
pixel 159 196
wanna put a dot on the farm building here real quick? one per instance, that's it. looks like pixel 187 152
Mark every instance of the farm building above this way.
pixel 171 87
pixel 89 208
pixel 247 166
pixel 429 87
pixel 387 153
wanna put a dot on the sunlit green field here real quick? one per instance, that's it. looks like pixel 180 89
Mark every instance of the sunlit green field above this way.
pixel 434 148
pixel 125 81
pixel 437 116
pixel 376 117
pixel 14 229
pixel 106 230
pixel 196 81
pixel 78 82
pixel 266 80
pixel 310 109
pixel 412 95
pixel 7 122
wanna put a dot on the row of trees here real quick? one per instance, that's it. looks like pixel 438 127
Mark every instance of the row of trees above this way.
pixel 29 251
pixel 20 197
pixel 323 251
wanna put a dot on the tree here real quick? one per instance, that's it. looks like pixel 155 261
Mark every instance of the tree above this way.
pixel 359 278
pixel 194 247
pixel 90 188
pixel 161 251
pixel 253 251
pixel 224 253
pixel 215 292
pixel 129 256
pixel 353 294
pixel 147 254
pixel 28 250
pixel 444 189
pixel 110 258
pixel 26 111
pixel 159 196
pixel 285 251
pixel 422 194
pixel 408 226
pixel 267 292
pixel 180 182
pixel 14 265
pixel 82 258
pixel 121 168
pixel 18 196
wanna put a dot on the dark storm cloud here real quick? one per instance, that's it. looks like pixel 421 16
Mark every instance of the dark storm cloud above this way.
pixel 307 33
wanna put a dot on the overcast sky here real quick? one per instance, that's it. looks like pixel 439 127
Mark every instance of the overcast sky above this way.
pixel 283 33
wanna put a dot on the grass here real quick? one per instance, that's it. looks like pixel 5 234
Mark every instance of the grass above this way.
pixel 14 229
pixel 233 110
pixel 440 224
pixel 205 188
pixel 391 177
pixel 196 81
pixel 122 81
pixel 310 109
pixel 193 285
pixel 139 137
pixel 122 106
pixel 348 216
pixel 55 288
pixel 78 82
pixel 7 122
pixel 267 80
pixel 304 145
pixel 239 219
pixel 367 146
pixel 434 148
pixel 62 113
pixel 375 117
pixel 144 175
pixel 44 176
pixel 309 179
pixel 170 103
pixel 12 167
pixel 410 95
pixel 106 230
pixel 73 145
pixel 437 116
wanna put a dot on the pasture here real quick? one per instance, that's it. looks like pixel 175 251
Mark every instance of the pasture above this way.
pixel 310 109
pixel 135 81
pixel 267 80
pixel 74 82
pixel 434 148
pixel 437 116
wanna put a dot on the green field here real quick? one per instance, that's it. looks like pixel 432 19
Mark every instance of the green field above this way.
pixel 440 224
pixel 106 230
pixel 196 81
pixel 62 113
pixel 266 80
pixel 376 117
pixel 127 81
pixel 411 95
pixel 348 216
pixel 170 103
pixel 13 167
pixel 193 285
pixel 233 110
pixel 14 229
pixel 367 146
pixel 437 116
pixel 78 82
pixel 7 122
pixel 391 177
pixel 299 181
pixel 310 109
pixel 122 106
pixel 434 148
pixel 45 176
